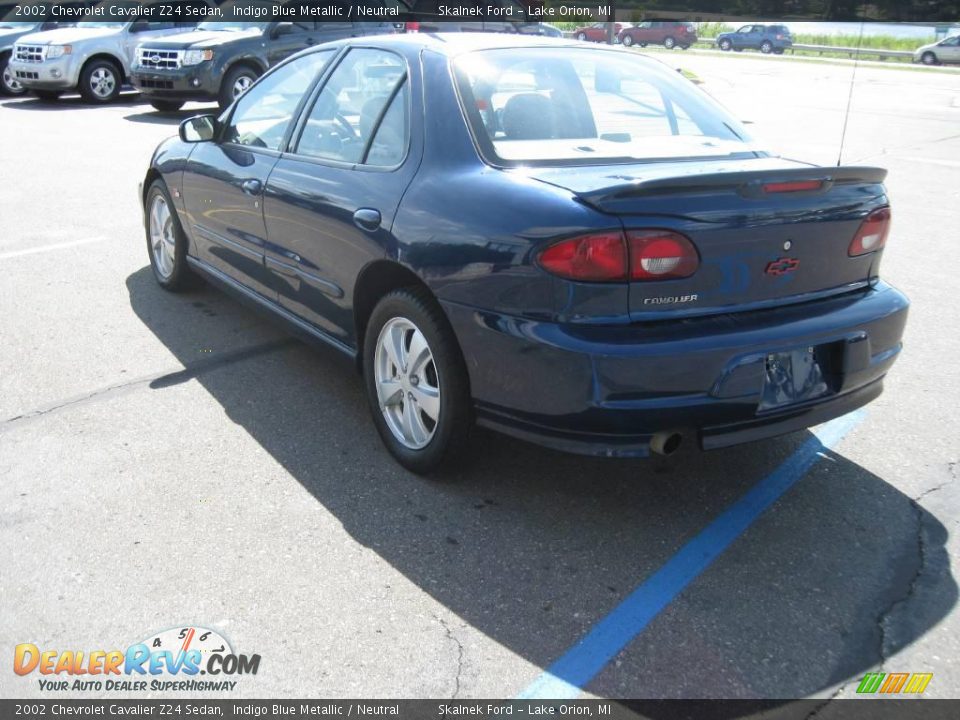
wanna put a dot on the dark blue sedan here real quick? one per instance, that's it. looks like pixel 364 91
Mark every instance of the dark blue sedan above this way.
pixel 568 243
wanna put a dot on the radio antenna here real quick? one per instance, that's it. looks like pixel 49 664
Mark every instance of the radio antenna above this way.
pixel 853 78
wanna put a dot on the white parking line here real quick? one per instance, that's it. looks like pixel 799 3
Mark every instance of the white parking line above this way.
pixel 49 248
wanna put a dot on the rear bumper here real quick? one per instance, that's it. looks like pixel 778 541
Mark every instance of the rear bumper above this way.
pixel 608 390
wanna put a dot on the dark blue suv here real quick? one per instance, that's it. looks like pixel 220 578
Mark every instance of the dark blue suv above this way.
pixel 765 38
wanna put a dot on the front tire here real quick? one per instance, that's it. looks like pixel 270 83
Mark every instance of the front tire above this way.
pixel 627 40
pixel 725 45
pixel 235 84
pixel 581 37
pixel 928 58
pixel 669 43
pixel 166 241
pixel 166 105
pixel 100 82
pixel 416 380
pixel 8 83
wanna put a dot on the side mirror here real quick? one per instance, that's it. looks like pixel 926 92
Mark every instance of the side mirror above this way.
pixel 284 28
pixel 199 128
pixel 139 26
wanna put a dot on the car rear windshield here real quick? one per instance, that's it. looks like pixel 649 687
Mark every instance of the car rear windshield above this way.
pixel 556 106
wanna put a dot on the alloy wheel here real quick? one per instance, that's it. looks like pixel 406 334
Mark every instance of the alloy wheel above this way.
pixel 241 85
pixel 163 242
pixel 407 382
pixel 10 83
pixel 103 82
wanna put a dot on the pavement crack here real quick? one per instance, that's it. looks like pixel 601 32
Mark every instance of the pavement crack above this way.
pixel 156 381
pixel 451 636
pixel 885 618
pixel 820 706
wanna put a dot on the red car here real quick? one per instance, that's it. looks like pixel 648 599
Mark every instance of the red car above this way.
pixel 669 33
pixel 597 32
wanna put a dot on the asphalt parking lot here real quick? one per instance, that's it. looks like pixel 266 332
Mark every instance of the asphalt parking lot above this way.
pixel 171 460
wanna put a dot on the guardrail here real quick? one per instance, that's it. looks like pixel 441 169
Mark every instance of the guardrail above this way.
pixel 836 49
pixel 851 52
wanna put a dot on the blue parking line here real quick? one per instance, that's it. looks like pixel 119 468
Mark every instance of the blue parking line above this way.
pixel 584 661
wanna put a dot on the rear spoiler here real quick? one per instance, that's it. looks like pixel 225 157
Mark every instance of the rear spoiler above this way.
pixel 749 183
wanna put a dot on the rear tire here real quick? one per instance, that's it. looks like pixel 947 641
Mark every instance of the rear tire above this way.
pixel 669 43
pixel 928 58
pixel 166 241
pixel 166 105
pixel 766 47
pixel 428 428
pixel 100 82
pixel 581 37
pixel 236 82
pixel 8 83
pixel 47 95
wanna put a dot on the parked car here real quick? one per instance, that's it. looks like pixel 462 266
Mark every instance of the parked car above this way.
pixel 765 38
pixel 218 61
pixel 944 51
pixel 669 33
pixel 10 32
pixel 92 57
pixel 523 249
pixel 548 30
pixel 597 32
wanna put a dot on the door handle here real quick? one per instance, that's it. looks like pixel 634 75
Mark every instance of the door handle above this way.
pixel 252 187
pixel 367 219
pixel 311 41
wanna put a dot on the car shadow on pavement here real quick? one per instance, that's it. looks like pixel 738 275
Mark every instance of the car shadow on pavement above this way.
pixel 156 117
pixel 532 547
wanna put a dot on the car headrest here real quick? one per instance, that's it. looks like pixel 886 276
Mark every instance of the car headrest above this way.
pixel 529 116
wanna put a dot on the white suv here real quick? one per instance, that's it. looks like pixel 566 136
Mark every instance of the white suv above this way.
pixel 93 57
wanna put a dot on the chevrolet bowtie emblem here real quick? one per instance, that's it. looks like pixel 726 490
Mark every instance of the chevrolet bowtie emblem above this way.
pixel 782 266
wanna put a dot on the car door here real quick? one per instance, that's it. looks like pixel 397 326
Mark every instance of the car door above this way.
pixel 743 37
pixel 949 50
pixel 283 39
pixel 223 180
pixel 331 200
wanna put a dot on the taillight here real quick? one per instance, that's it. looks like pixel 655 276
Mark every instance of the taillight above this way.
pixel 872 235
pixel 609 257
pixel 661 255
pixel 412 27
pixel 601 257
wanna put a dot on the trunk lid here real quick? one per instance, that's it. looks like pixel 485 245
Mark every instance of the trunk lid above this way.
pixel 761 241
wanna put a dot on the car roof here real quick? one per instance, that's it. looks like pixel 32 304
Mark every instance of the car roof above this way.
pixel 454 43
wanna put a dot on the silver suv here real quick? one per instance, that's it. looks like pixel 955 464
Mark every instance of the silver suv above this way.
pixel 93 57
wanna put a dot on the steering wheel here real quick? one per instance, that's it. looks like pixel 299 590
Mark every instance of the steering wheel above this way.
pixel 342 121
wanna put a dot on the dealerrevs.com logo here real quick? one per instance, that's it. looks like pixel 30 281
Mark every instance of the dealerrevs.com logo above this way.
pixel 191 659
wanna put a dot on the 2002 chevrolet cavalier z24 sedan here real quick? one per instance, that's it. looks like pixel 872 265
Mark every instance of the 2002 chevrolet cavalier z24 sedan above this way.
pixel 570 244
